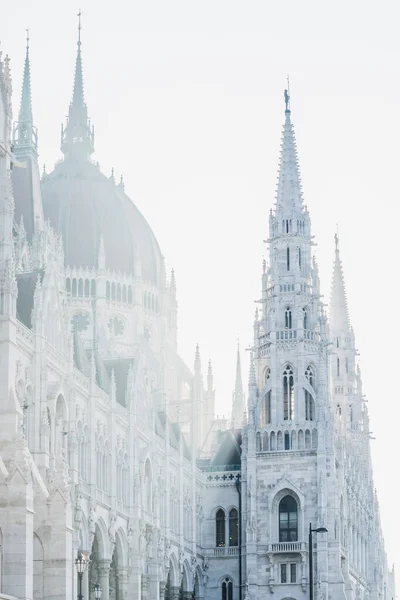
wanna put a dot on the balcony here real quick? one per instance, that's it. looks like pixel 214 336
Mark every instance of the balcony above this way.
pixel 285 547
pixel 225 551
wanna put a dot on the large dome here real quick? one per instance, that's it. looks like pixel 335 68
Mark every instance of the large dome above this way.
pixel 84 205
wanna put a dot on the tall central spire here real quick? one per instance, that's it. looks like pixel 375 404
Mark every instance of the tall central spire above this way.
pixel 25 133
pixel 289 192
pixel 77 138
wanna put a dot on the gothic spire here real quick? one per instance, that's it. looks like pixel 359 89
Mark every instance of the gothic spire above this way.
pixel 339 314
pixel 238 399
pixel 77 137
pixel 25 133
pixel 289 192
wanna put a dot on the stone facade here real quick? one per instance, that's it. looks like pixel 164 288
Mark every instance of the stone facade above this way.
pixel 108 441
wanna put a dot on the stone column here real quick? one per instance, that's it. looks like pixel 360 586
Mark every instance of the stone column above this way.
pixel 162 590
pixel 187 595
pixel 174 592
pixel 122 575
pixel 145 587
pixel 104 577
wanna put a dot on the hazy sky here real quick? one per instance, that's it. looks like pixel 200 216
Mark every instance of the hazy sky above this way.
pixel 187 101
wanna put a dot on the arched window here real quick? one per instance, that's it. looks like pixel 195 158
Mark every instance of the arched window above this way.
pixel 309 406
pixel 305 320
pixel 288 394
pixel 300 258
pixel 220 528
pixel 265 409
pixel 310 375
pixel 338 367
pixel 227 589
pixel 288 520
pixel 288 318
pixel 233 527
pixel 288 258
pixel 267 374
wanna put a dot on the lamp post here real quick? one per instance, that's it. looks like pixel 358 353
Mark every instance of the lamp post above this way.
pixel 81 563
pixel 310 556
pixel 98 590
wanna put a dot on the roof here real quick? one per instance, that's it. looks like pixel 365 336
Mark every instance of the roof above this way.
pixel 26 283
pixel 84 206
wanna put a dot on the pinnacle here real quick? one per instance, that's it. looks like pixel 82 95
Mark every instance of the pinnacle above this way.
pixel 339 314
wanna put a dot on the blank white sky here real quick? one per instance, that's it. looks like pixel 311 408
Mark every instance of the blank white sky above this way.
pixel 187 101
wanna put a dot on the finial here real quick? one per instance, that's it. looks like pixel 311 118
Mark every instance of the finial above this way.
pixel 79 26
pixel 44 170
pixel 121 182
pixel 27 40
pixel 287 96
pixel 112 175
pixel 337 238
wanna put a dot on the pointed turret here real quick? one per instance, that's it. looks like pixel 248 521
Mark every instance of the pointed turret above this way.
pixel 338 310
pixel 289 192
pixel 77 138
pixel 238 398
pixel 25 133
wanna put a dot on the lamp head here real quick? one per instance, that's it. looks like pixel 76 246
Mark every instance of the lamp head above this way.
pixel 81 562
pixel 321 530
pixel 98 590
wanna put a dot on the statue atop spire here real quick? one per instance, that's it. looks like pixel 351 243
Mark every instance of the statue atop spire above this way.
pixel 287 96
pixel 77 137
pixel 25 133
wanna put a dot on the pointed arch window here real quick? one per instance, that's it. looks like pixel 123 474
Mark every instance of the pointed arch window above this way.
pixel 305 318
pixel 220 528
pixel 300 258
pixel 227 589
pixel 288 394
pixel 288 520
pixel 288 318
pixel 288 258
pixel 338 367
pixel 233 527
pixel 265 410
pixel 310 375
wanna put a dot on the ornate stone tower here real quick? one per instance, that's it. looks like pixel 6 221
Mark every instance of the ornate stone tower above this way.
pixel 288 438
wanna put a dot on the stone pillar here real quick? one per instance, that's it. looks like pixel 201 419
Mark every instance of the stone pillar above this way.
pixel 122 575
pixel 162 590
pixel 145 587
pixel 174 592
pixel 187 595
pixel 104 577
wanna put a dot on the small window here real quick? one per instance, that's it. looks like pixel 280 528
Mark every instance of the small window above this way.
pixel 347 364
pixel 227 589
pixel 288 521
pixel 233 527
pixel 305 321
pixel 288 258
pixel 283 573
pixel 287 441
pixel 293 573
pixel 220 528
pixel 288 394
pixel 338 367
pixel 337 342
pixel 300 258
pixel 288 318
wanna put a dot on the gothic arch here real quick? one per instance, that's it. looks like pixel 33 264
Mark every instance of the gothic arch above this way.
pixel 285 488
pixel 101 538
pixel 121 547
pixel 187 579
pixel 174 572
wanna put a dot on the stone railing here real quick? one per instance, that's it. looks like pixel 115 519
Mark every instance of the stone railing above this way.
pixel 225 551
pixel 24 334
pixel 221 478
pixel 287 547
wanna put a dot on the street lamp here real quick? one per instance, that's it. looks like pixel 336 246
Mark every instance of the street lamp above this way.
pixel 81 564
pixel 98 590
pixel 310 555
